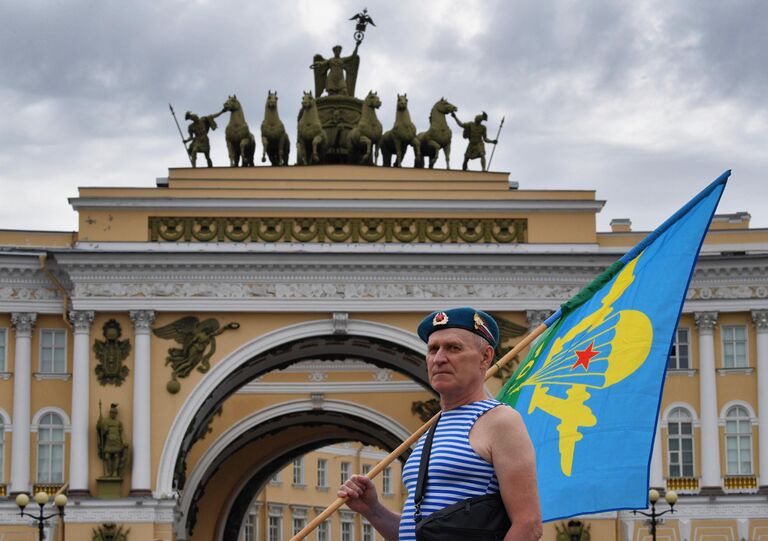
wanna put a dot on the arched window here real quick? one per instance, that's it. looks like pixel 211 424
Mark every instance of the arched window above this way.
pixel 738 441
pixel 680 443
pixel 50 449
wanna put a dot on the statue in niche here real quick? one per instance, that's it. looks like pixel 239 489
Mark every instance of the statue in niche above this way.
pixel 113 451
pixel 478 136
pixel 198 136
pixel 109 531
pixel 111 354
pixel 198 344
pixel 575 530
pixel 337 75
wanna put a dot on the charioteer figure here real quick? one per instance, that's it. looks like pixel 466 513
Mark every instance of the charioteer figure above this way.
pixel 198 136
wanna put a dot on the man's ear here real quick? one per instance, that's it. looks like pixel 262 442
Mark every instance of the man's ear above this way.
pixel 488 352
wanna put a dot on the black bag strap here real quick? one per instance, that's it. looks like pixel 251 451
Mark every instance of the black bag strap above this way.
pixel 426 450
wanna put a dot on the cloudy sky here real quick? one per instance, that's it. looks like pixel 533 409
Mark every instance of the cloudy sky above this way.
pixel 643 101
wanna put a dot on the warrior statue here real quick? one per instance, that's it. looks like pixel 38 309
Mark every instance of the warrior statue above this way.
pixel 477 135
pixel 113 451
pixel 330 73
pixel 198 135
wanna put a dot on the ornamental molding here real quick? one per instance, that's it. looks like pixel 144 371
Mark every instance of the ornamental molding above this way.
pixel 338 230
pixel 721 507
pixel 705 321
pixel 121 511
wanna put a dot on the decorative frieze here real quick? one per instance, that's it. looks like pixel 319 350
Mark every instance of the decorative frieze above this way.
pixel 356 230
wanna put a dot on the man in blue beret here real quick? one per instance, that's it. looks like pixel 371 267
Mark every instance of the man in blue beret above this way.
pixel 480 446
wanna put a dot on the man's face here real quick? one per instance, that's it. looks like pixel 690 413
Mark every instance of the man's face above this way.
pixel 457 360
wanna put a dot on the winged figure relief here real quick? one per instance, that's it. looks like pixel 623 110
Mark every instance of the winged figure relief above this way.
pixel 198 343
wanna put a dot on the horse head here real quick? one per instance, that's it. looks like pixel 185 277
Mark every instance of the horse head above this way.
pixel 445 107
pixel 271 99
pixel 402 102
pixel 373 100
pixel 307 101
pixel 231 104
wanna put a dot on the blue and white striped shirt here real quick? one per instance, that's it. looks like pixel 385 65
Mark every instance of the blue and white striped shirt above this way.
pixel 456 471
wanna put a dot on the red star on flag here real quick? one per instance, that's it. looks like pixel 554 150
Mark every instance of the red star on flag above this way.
pixel 584 356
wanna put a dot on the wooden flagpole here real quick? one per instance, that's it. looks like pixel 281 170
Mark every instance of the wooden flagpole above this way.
pixel 391 457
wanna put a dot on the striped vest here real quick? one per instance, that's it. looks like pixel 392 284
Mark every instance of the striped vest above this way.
pixel 456 471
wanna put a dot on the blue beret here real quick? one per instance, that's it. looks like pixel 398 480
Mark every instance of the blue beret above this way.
pixel 475 321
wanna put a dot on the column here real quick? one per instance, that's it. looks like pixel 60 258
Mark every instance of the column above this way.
pixel 23 323
pixel 141 483
pixel 710 438
pixel 760 317
pixel 78 460
pixel 657 464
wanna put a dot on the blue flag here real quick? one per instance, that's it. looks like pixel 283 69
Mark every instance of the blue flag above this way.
pixel 590 388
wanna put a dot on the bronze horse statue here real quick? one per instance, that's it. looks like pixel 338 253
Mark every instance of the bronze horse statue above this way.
pixel 274 139
pixel 403 133
pixel 241 144
pixel 311 139
pixel 437 136
pixel 367 134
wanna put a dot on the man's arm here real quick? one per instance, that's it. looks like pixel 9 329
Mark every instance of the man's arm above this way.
pixel 364 500
pixel 459 122
pixel 500 437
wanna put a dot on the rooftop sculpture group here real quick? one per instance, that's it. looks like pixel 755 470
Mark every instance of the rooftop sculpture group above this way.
pixel 334 126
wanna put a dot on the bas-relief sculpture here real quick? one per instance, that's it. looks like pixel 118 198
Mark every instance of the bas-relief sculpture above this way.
pixel 111 354
pixel 113 450
pixel 574 530
pixel 109 531
pixel 198 344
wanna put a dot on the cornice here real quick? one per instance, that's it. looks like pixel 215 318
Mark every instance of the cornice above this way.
pixel 126 510
pixel 361 206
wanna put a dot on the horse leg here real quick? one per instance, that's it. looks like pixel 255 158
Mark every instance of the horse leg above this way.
pixel 367 142
pixel 315 143
pixel 231 152
pixel 447 151
pixel 416 148
pixel 375 153
pixel 264 150
pixel 434 148
pixel 398 153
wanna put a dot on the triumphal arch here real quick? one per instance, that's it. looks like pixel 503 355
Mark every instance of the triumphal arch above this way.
pixel 163 363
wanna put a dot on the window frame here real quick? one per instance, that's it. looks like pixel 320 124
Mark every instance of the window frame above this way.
pixel 386 481
pixel 680 437
pixel 345 475
pixel 322 473
pixel 298 471
pixel 674 353
pixel 41 427
pixel 2 449
pixel 723 330
pixel 730 436
pixel 41 348
pixel 326 526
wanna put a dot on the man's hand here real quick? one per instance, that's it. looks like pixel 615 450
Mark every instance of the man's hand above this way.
pixel 361 494
pixel 363 498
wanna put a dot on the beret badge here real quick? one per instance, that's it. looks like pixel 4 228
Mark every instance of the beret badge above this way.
pixel 441 318
pixel 482 327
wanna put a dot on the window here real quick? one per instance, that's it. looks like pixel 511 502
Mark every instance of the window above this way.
pixel 250 532
pixel 275 479
pixel 680 443
pixel 734 346
pixel 346 472
pixel 367 469
pixel 323 531
pixel 50 449
pixel 738 441
pixel 3 350
pixel 347 530
pixel 678 356
pixel 275 524
pixel 322 472
pixel 299 519
pixel 53 351
pixel 367 532
pixel 298 471
pixel 386 480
